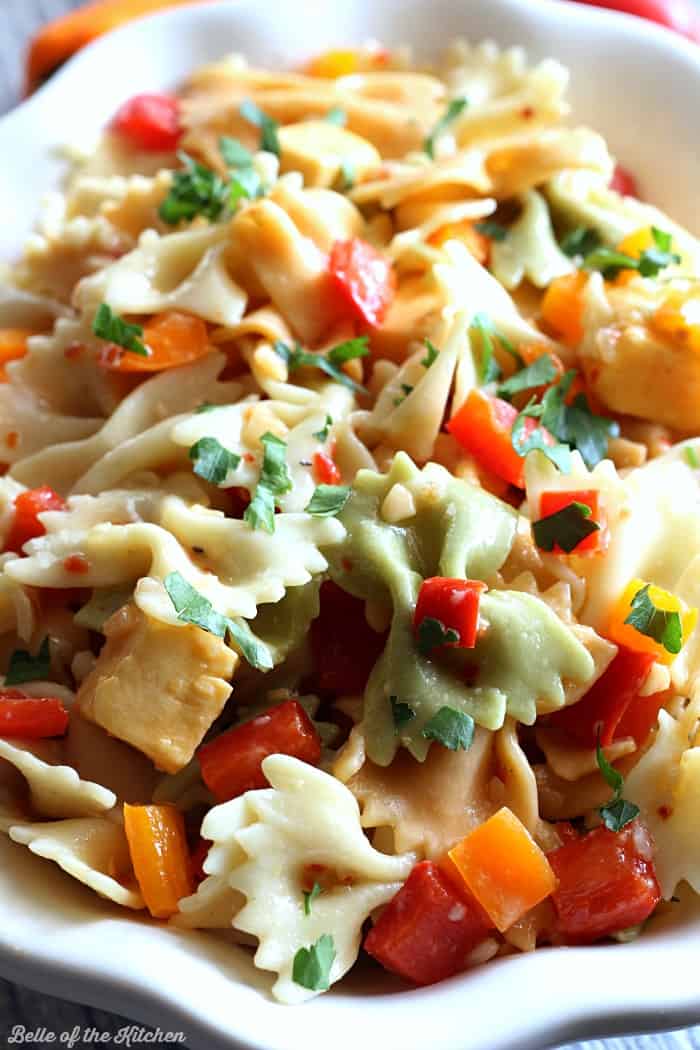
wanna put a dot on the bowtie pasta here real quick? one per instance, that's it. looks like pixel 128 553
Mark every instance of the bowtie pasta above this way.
pixel 348 421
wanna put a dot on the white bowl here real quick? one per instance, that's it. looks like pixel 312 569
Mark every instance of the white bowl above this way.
pixel 638 85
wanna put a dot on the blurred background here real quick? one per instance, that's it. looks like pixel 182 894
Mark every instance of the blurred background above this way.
pixel 19 22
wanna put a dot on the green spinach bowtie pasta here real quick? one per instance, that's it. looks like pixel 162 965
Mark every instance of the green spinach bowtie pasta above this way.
pixel 347 417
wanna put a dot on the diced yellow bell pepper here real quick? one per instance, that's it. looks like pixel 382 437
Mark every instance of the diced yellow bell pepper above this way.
pixel 636 243
pixel 333 64
pixel 678 318
pixel 625 634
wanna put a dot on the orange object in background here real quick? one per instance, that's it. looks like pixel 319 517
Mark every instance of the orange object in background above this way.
pixel 56 42
pixel 159 854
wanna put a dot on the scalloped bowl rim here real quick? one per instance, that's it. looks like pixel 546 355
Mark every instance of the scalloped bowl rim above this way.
pixel 85 949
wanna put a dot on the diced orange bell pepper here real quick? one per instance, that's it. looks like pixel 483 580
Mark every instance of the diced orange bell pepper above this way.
pixel 160 857
pixel 678 319
pixel 625 634
pixel 562 307
pixel 504 868
pixel 13 344
pixel 476 243
pixel 174 338
pixel 333 64
pixel 56 42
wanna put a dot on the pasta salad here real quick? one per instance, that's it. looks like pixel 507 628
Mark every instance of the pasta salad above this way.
pixel 350 519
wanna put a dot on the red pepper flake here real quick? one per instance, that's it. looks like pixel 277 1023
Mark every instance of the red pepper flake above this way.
pixel 249 457
pixel 346 565
pixel 73 351
pixel 527 112
pixel 12 439
pixel 110 355
pixel 77 563
pixel 665 812
pixel 325 470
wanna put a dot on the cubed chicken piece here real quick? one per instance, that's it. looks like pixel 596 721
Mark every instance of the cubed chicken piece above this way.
pixel 319 148
pixel 157 686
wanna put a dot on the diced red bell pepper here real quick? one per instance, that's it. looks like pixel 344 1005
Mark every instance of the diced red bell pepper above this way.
pixel 150 122
pixel 26 525
pixel 232 763
pixel 427 930
pixel 607 882
pixel 31 717
pixel 641 717
pixel 455 603
pixel 363 279
pixel 602 708
pixel 325 470
pixel 343 645
pixel 624 182
pixel 551 502
pixel 483 426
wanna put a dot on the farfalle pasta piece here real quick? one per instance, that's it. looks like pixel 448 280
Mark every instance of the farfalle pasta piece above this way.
pixel 305 817
pixel 530 249
pixel 92 850
pixel 665 784
pixel 157 687
pixel 176 271
pixel 432 805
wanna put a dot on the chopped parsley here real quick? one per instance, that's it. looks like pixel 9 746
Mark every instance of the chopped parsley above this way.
pixel 346 175
pixel 431 356
pixel 269 139
pixel 109 326
pixel 331 362
pixel 565 529
pixel 611 262
pixel 274 481
pixel 618 812
pixel 575 426
pixel 407 389
pixel 328 500
pixel 580 241
pixel 310 896
pixel 337 116
pixel 206 406
pixel 454 109
pixel 493 230
pixel 234 153
pixel 312 966
pixel 691 456
pixel 322 434
pixel 401 712
pixel 27 668
pixel 524 442
pixel 255 652
pixel 192 607
pixel 453 729
pixel 212 461
pixel 539 373
pixel 432 633
pixel 663 625
pixel 195 191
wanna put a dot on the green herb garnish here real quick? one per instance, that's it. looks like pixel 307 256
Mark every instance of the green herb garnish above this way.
pixel 432 633
pixel 493 230
pixel 663 625
pixel 330 362
pixel 274 481
pixel 310 896
pixel 618 811
pixel 337 116
pixel 195 191
pixel 453 729
pixel 322 435
pixel 328 500
pixel 539 373
pixel 27 668
pixel 566 528
pixel 581 241
pixel 455 107
pixel 431 356
pixel 269 139
pixel 611 262
pixel 110 327
pixel 401 712
pixel 312 966
pixel 212 461
pixel 691 456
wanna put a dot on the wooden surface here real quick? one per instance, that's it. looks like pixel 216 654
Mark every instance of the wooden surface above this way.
pixel 19 1006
